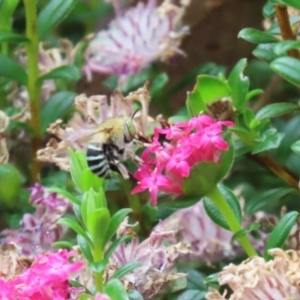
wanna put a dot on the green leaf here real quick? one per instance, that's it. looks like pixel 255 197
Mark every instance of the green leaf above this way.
pixel 256 36
pixel 268 10
pixel 239 84
pixel 159 83
pixel 265 52
pixel 98 218
pixel 64 193
pixel 56 107
pixel 271 142
pixel 10 186
pixel 296 147
pixel 115 290
pixel 115 244
pixel 52 14
pixel 275 110
pixel 98 267
pixel 75 226
pixel 260 200
pixel 78 164
pixel 294 3
pixel 134 295
pixel 287 68
pixel 253 93
pixel 85 248
pixel 207 90
pixel 62 245
pixel 114 223
pixel 12 70
pixel 245 231
pixel 280 232
pixel 8 36
pixel 282 47
pixel 7 9
pixel 214 212
pixel 64 72
pixel 90 180
pixel 125 269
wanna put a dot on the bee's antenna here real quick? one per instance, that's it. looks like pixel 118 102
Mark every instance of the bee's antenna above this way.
pixel 134 113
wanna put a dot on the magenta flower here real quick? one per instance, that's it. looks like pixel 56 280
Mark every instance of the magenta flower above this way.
pixel 188 143
pixel 46 279
pixel 136 38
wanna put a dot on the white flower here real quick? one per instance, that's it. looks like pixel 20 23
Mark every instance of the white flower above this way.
pixel 143 34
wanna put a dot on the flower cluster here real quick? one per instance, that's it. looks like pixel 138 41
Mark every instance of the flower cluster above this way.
pixel 38 231
pixel 143 34
pixel 188 143
pixel 47 278
pixel 256 278
pixel 158 271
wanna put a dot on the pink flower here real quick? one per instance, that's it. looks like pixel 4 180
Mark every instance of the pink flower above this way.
pixel 46 279
pixel 188 143
pixel 39 230
pixel 136 38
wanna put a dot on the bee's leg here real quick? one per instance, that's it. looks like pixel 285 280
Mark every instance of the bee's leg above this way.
pixel 122 170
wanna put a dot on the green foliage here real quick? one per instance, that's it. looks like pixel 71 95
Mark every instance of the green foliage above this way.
pixel 280 232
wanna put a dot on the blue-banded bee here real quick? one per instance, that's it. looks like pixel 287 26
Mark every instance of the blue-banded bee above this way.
pixel 114 142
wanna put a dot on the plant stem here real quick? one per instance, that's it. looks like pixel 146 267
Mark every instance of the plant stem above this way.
pixel 277 169
pixel 98 276
pixel 34 89
pixel 218 199
pixel 285 27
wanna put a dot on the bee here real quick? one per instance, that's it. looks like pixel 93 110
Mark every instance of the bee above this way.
pixel 115 141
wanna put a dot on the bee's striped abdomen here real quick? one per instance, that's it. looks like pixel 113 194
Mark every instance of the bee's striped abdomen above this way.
pixel 97 161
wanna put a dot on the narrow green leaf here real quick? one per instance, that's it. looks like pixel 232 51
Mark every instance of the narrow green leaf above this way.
pixel 134 295
pixel 7 9
pixel 294 3
pixel 115 290
pixel 245 231
pixel 85 248
pixel 52 14
pixel 271 142
pixel 8 36
pixel 116 243
pixel 253 93
pixel 288 68
pixel 275 110
pixel 62 245
pixel 282 47
pixel 12 70
pixel 265 52
pixel 269 10
pixel 296 147
pixel 214 212
pixel 159 83
pixel 98 267
pixel 256 36
pixel 260 200
pixel 125 269
pixel 98 218
pixel 75 226
pixel 280 232
pixel 64 72
pixel 56 107
pixel 64 193
pixel 239 84
pixel 78 164
pixel 114 223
